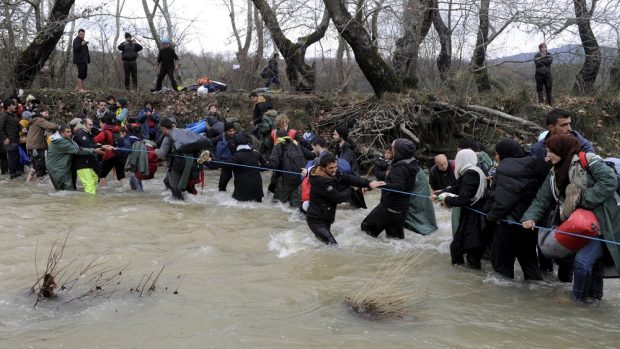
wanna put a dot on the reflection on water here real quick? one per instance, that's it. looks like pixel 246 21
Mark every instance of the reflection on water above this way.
pixel 252 274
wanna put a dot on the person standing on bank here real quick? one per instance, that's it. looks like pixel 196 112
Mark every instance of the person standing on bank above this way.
pixel 167 62
pixel 81 58
pixel 543 61
pixel 130 49
pixel 273 72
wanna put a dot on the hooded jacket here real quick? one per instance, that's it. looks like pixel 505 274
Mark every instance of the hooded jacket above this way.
pixel 401 176
pixel 326 193
pixel 58 162
pixel 36 132
pixel 517 181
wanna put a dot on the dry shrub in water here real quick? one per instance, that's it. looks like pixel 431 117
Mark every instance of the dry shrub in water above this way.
pixel 387 295
pixel 73 279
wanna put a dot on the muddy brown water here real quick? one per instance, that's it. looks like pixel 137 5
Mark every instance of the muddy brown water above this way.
pixel 252 275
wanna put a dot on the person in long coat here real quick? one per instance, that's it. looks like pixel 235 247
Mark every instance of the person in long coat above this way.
pixel 248 181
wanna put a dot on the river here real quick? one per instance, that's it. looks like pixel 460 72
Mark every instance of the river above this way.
pixel 252 275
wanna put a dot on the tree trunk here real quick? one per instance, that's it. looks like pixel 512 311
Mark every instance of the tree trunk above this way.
pixel 301 76
pixel 150 15
pixel 417 20
pixel 378 73
pixel 587 75
pixel 66 56
pixel 444 59
pixel 481 74
pixel 614 73
pixel 31 60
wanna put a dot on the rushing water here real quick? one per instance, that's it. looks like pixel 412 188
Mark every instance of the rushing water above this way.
pixel 253 275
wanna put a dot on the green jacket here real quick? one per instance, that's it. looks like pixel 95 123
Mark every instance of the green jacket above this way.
pixel 599 197
pixel 58 162
pixel 421 215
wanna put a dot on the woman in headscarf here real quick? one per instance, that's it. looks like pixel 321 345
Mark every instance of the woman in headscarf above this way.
pixel 591 187
pixel 468 192
pixel 517 181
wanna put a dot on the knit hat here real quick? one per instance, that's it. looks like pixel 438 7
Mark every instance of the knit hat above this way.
pixel 165 41
pixel 469 143
pixel 123 102
pixel 229 125
pixel 127 35
pixel 241 139
pixel 343 132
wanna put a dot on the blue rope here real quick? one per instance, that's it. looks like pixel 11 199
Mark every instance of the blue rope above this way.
pixel 398 192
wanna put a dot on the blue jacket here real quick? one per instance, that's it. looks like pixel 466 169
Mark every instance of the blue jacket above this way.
pixel 144 125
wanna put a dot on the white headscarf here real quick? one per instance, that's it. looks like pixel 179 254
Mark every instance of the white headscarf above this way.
pixel 467 159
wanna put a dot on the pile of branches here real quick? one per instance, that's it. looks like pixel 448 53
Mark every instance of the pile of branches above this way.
pixel 375 124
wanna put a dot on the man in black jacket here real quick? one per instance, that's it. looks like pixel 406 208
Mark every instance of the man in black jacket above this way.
pixel 9 137
pixel 329 188
pixel 391 212
pixel 81 58
pixel 543 77
pixel 167 62
pixel 130 49
pixel 441 174
pixel 87 165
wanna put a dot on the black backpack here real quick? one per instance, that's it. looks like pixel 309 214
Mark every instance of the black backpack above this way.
pixel 293 159
pixel 130 53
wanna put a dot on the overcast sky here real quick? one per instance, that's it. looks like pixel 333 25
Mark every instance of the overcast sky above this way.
pixel 209 29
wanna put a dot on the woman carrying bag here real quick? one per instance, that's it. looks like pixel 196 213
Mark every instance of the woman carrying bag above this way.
pixel 590 186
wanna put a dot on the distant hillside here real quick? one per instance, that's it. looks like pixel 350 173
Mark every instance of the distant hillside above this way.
pixel 564 54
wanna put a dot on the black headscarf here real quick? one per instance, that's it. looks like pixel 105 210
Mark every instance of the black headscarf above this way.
pixel 403 149
pixel 509 148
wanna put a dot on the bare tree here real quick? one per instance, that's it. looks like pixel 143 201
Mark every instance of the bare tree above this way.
pixel 32 59
pixel 587 75
pixel 417 20
pixel 444 59
pixel 242 49
pixel 379 74
pixel 301 76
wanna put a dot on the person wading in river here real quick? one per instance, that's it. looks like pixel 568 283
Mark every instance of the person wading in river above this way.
pixel 329 188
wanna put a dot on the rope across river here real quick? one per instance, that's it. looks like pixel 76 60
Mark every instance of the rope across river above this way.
pixel 228 163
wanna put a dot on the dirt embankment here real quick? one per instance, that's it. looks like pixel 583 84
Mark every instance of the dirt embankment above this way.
pixel 435 123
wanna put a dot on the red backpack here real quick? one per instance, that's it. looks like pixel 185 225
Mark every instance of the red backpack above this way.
pixel 305 188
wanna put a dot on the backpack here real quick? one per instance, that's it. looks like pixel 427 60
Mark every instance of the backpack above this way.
pixel 152 159
pixel 222 150
pixel 130 53
pixel 265 73
pixel 185 141
pixel 292 159
pixel 584 164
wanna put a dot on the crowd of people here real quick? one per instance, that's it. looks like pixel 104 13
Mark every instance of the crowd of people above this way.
pixel 496 204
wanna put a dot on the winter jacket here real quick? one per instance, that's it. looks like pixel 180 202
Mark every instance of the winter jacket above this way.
pixel 106 137
pixel 599 197
pixel 9 127
pixel 80 52
pixel 248 181
pixel 167 57
pixel 137 158
pixel 327 192
pixel 401 177
pixel 58 162
pixel 216 124
pixel 543 64
pixel 347 152
pixel 130 51
pixel 273 66
pixel 85 140
pixel 540 151
pixel 36 132
pixel 517 180
pixel 440 180
pixel 148 124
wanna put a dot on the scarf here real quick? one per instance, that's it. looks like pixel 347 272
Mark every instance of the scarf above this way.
pixel 466 160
